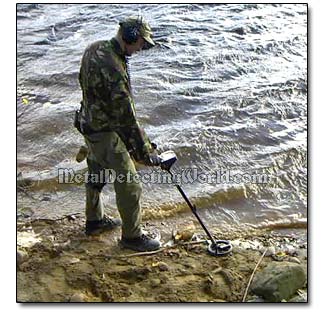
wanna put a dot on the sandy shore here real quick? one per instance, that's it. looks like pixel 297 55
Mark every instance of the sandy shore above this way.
pixel 56 262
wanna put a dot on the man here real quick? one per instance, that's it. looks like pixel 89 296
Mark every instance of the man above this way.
pixel 112 133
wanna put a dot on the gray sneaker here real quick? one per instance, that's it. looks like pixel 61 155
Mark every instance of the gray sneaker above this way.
pixel 143 243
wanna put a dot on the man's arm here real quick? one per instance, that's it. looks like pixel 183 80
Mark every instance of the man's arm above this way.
pixel 123 119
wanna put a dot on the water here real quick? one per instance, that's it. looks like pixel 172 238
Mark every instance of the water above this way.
pixel 225 88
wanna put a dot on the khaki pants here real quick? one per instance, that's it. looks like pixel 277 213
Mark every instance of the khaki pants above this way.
pixel 107 151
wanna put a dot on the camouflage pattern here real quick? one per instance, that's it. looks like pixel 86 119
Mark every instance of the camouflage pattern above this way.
pixel 108 111
pixel 108 103
pixel 107 151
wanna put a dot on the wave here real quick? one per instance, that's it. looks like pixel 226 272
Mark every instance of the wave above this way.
pixel 171 209
pixel 284 223
pixel 215 99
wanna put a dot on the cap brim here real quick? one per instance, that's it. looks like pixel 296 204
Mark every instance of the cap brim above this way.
pixel 149 40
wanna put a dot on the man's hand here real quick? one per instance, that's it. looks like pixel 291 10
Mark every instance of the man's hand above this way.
pixel 152 160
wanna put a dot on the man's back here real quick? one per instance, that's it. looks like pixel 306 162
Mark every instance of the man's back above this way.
pixel 105 86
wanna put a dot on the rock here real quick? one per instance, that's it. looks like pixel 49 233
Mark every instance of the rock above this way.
pixel 255 299
pixel 217 287
pixel 62 246
pixel 22 256
pixel 25 212
pixel 163 266
pixel 238 30
pixel 82 153
pixel 74 260
pixel 279 256
pixel 78 297
pixel 155 282
pixel 164 279
pixel 185 234
pixel 290 249
pixel 299 298
pixel 278 281
pixel 51 238
pixel 71 217
pixel 135 273
pixel 294 260
pixel 270 251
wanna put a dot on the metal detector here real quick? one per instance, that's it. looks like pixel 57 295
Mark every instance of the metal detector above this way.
pixel 215 247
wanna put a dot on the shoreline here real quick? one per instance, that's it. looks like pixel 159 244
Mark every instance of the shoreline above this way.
pixel 56 262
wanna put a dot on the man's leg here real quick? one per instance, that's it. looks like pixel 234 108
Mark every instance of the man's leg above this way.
pixel 107 151
pixel 97 221
pixel 110 153
pixel 128 194
pixel 94 208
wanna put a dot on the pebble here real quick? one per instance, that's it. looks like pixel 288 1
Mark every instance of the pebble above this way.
pixel 293 259
pixel 72 217
pixel 270 251
pixel 22 256
pixel 82 154
pixel 299 298
pixel 256 299
pixel 163 266
pixel 185 235
pixel 63 246
pixel 155 282
pixel 239 30
pixel 74 260
pixel 51 238
pixel 78 297
pixel 289 249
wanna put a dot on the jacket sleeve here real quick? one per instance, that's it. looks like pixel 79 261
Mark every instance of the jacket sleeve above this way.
pixel 122 116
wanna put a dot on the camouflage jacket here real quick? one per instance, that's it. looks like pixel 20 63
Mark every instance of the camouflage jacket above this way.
pixel 108 103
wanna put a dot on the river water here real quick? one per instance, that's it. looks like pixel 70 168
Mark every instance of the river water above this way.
pixel 225 88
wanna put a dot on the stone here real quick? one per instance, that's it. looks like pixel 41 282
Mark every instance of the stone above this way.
pixel 293 259
pixel 185 234
pixel 302 298
pixel 255 299
pixel 278 281
pixel 22 256
pixel 78 297
pixel 82 153
pixel 155 282
pixel 163 266
pixel 239 30
pixel 270 251
pixel 217 287
pixel 74 260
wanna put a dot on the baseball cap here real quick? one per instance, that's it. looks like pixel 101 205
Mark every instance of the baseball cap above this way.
pixel 144 28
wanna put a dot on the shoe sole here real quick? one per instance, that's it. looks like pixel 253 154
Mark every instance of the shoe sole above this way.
pixel 99 231
pixel 130 247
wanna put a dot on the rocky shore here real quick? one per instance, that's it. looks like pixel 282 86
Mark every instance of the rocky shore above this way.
pixel 56 262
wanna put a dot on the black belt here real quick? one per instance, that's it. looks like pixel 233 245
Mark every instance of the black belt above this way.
pixel 84 128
